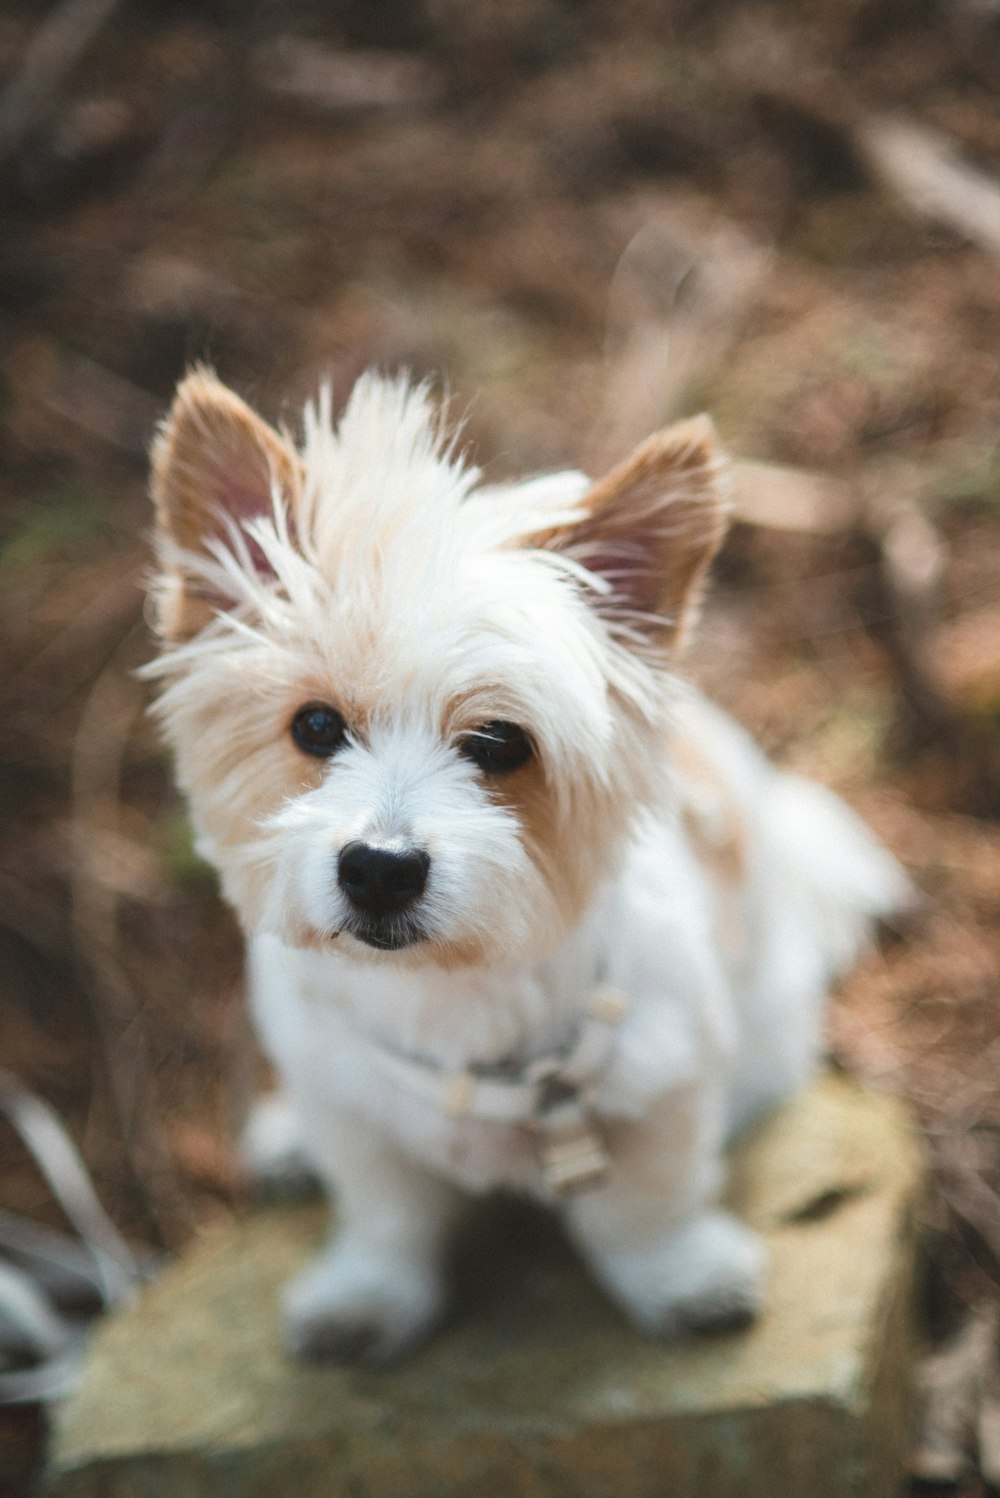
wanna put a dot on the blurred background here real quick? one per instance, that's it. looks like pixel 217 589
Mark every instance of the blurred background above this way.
pixel 585 217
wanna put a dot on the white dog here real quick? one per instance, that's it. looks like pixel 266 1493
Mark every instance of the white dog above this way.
pixel 522 911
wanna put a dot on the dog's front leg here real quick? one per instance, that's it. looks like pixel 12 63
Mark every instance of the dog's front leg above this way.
pixel 652 1233
pixel 377 1288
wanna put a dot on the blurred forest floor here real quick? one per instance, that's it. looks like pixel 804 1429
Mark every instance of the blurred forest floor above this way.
pixel 587 217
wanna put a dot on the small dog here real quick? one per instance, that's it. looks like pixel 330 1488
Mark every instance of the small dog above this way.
pixel 522 910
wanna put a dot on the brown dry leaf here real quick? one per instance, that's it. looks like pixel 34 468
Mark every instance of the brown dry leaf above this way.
pixel 965 653
pixel 204 1158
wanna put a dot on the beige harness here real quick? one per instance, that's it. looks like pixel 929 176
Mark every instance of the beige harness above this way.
pixel 553 1095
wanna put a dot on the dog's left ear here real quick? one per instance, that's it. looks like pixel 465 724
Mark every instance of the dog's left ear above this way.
pixel 652 526
pixel 214 461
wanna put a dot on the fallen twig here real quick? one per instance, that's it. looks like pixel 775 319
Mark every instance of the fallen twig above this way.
pixel 103 404
pixel 344 82
pixel 924 169
pixel 676 304
pixel 35 1334
pixel 920 166
pixel 793 499
pixel 909 557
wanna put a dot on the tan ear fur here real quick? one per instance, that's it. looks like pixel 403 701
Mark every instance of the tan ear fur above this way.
pixel 214 457
pixel 652 527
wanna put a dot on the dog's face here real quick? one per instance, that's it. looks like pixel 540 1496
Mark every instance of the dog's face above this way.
pixel 415 717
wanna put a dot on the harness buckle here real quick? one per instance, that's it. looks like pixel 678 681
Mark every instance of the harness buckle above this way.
pixel 571 1152
pixel 458 1092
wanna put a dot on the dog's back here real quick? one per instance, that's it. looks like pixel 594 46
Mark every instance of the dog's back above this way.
pixel 800 884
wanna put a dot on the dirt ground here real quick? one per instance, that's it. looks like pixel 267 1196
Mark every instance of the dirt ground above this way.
pixel 585 218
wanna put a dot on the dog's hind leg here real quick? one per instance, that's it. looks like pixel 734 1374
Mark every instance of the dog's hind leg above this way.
pixel 652 1233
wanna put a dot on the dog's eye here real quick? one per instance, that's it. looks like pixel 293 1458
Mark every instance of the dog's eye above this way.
pixel 497 747
pixel 318 729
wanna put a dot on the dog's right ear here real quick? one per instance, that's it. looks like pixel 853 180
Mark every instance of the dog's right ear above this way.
pixel 214 462
pixel 649 532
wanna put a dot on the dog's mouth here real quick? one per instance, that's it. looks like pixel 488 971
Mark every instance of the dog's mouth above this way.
pixel 385 936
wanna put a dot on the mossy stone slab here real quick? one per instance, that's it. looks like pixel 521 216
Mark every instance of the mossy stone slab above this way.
pixel 539 1388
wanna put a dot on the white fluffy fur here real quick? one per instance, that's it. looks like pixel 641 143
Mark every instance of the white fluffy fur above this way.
pixel 723 899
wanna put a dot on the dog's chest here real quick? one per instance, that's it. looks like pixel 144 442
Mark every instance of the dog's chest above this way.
pixel 326 1028
pixel 478 1154
pixel 330 1024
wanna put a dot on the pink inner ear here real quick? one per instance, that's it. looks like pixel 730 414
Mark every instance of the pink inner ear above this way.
pixel 260 562
pixel 651 526
pixel 242 499
pixel 244 495
pixel 625 563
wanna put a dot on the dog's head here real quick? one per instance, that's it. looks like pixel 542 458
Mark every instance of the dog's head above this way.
pixel 412 714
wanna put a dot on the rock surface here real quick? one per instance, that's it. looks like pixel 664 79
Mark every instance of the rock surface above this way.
pixel 539 1389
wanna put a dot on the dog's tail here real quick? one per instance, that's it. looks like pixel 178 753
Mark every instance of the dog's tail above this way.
pixel 847 881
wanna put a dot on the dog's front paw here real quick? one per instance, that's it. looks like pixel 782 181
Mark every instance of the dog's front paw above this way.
pixel 707 1275
pixel 356 1306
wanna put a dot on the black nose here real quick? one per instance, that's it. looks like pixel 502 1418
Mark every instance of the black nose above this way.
pixel 383 880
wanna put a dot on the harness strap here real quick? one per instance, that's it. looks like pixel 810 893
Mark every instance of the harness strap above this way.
pixel 551 1094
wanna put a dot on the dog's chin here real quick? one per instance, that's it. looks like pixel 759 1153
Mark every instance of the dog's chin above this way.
pixel 413 948
pixel 386 943
pixel 385 938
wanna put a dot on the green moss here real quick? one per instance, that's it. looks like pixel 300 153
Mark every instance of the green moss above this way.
pixel 63 521
pixel 972 479
pixel 186 867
